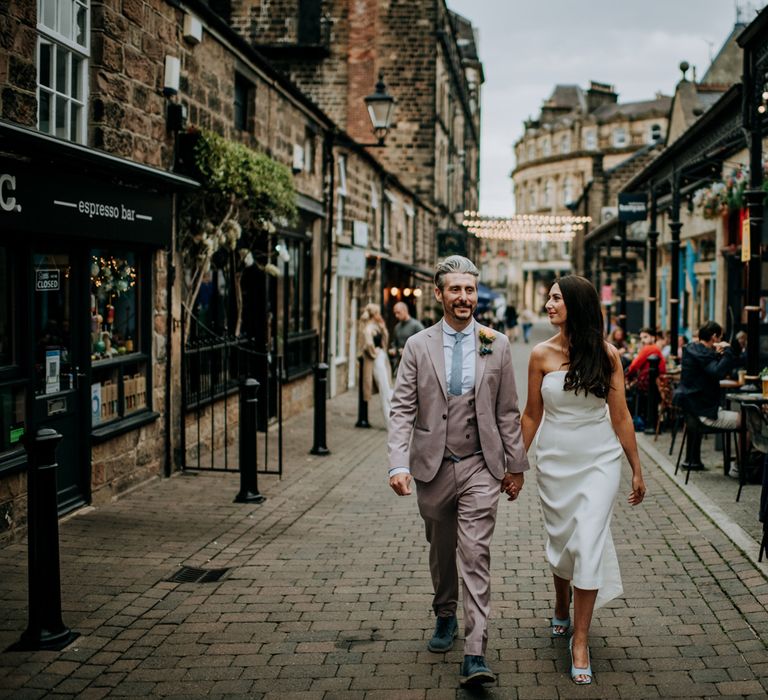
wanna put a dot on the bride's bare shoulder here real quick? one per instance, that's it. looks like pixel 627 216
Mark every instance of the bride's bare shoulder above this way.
pixel 547 355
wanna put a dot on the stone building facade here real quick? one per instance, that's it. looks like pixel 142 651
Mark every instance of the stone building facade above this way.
pixel 91 105
pixel 428 58
pixel 569 161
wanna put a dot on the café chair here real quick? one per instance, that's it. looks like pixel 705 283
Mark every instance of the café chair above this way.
pixel 668 410
pixel 693 431
pixel 757 425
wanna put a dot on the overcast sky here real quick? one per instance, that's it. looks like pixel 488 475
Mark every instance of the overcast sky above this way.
pixel 528 46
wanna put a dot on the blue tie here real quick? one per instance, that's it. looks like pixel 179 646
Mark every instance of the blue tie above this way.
pixel 457 366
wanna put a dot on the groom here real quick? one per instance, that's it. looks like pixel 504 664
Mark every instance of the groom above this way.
pixel 455 430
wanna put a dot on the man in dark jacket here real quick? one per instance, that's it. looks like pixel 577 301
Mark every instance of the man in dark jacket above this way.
pixel 705 363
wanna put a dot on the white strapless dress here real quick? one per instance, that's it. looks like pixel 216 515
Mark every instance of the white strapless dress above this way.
pixel 578 471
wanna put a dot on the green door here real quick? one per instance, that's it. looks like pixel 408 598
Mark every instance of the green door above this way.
pixel 58 362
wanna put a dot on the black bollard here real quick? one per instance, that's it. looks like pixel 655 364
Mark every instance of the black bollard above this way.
pixel 249 479
pixel 321 382
pixel 362 404
pixel 45 629
pixel 652 410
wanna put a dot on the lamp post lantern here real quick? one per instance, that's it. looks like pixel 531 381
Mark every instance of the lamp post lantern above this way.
pixel 380 106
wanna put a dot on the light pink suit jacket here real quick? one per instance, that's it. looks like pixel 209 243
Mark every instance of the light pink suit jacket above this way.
pixel 418 417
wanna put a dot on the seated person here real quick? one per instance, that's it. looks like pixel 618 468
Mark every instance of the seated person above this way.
pixel 640 366
pixel 705 362
pixel 618 339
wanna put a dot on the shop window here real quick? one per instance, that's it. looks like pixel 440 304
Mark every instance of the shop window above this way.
pixel 119 385
pixel 13 388
pixel 300 338
pixel 12 410
pixel 6 307
pixel 62 67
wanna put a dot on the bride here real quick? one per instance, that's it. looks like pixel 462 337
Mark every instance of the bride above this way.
pixel 572 377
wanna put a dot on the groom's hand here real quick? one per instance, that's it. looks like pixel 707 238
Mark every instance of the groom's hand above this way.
pixel 512 484
pixel 401 484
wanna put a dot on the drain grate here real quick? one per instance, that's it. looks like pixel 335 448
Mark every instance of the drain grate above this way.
pixel 189 574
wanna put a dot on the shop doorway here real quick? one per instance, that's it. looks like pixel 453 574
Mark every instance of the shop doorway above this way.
pixel 59 368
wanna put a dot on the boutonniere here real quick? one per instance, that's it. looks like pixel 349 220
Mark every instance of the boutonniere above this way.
pixel 485 342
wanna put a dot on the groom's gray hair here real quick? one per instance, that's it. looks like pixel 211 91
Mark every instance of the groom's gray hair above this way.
pixel 454 263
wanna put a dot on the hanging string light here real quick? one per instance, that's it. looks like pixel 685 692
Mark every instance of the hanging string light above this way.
pixel 524 227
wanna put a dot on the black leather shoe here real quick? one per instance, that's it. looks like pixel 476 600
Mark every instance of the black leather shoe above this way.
pixel 445 630
pixel 475 672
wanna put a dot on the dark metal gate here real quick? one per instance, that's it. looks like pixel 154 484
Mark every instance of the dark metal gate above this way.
pixel 213 370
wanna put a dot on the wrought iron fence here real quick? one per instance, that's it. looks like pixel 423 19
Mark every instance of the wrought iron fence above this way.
pixel 212 371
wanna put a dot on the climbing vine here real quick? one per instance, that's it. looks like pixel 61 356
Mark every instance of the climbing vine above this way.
pixel 244 195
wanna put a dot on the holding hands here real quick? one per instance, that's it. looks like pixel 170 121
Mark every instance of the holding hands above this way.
pixel 512 484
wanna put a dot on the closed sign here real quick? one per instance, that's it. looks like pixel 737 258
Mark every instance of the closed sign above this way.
pixel 47 280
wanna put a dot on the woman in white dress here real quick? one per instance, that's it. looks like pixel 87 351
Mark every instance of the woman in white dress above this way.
pixel 376 368
pixel 572 378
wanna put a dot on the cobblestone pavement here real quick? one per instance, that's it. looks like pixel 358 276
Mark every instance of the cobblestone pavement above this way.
pixel 327 593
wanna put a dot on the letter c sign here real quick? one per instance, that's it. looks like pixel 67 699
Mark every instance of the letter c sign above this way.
pixel 8 185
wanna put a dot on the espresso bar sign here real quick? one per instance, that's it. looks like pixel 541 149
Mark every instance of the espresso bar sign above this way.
pixel 38 201
pixel 633 206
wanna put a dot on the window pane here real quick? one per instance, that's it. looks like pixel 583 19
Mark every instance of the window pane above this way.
pixel 74 122
pixel 12 403
pixel 134 387
pixel 65 18
pixel 62 63
pixel 53 372
pixel 6 318
pixel 80 24
pixel 77 71
pixel 45 64
pixel 49 14
pixel 104 393
pixel 61 117
pixel 114 304
pixel 44 119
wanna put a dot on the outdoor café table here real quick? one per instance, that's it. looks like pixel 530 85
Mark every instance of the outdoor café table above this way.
pixel 744 398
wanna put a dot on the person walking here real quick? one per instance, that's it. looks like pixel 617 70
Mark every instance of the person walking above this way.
pixel 376 367
pixel 572 377
pixel 405 327
pixel 455 432
pixel 510 320
pixel 527 318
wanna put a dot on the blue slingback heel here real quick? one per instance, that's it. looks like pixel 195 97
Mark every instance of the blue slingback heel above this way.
pixel 576 672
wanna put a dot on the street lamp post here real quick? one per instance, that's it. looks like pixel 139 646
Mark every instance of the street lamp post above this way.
pixel 653 237
pixel 380 106
pixel 674 297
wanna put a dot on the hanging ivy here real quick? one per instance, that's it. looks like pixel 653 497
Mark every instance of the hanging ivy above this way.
pixel 245 193
pixel 230 170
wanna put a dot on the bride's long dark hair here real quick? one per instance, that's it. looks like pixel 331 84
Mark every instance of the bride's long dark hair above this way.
pixel 590 365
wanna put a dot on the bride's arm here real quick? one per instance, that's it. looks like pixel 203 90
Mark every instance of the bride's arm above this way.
pixel 534 405
pixel 621 420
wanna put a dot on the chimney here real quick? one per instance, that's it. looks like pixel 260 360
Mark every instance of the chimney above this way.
pixel 600 94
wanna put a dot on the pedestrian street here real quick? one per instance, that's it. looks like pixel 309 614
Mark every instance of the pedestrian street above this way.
pixel 326 592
